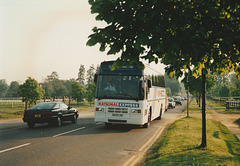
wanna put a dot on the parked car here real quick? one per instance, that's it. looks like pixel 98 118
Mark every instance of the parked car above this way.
pixel 50 112
pixel 171 103
pixel 178 100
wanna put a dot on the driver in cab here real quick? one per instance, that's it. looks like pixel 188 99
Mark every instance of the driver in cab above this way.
pixel 109 87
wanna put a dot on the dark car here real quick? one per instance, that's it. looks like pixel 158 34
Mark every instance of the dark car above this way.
pixel 50 112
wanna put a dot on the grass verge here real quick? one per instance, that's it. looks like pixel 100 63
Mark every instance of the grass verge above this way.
pixel 180 145
pixel 14 110
pixel 194 108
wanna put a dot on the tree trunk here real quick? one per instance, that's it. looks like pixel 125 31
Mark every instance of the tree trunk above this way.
pixel 69 104
pixel 199 101
pixel 204 131
pixel 26 103
pixel 188 102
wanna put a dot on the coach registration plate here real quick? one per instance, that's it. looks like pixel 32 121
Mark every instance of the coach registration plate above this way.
pixel 117 114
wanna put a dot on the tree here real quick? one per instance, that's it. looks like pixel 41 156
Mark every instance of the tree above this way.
pixel 168 90
pixel 48 88
pixel 52 76
pixel 54 87
pixel 194 85
pixel 173 84
pixel 77 91
pixel 188 36
pixel 183 34
pixel 13 89
pixel 68 85
pixel 91 92
pixel 236 87
pixel 30 91
pixel 90 74
pixel 224 91
pixel 3 87
pixel 81 74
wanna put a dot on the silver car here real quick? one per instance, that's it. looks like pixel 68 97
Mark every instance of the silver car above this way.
pixel 171 103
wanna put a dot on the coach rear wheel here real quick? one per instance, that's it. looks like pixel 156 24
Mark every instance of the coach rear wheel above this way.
pixel 160 116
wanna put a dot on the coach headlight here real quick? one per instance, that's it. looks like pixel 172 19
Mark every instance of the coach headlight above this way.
pixel 99 109
pixel 136 111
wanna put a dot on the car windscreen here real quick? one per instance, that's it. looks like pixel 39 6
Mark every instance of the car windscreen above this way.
pixel 45 106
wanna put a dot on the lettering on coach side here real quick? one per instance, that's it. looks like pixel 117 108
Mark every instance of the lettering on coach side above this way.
pixel 132 105
pixel 108 104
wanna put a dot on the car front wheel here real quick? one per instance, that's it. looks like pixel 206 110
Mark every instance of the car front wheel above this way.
pixel 74 118
pixel 59 121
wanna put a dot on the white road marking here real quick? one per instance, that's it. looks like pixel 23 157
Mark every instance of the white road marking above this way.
pixel 134 159
pixel 151 140
pixel 69 132
pixel 16 147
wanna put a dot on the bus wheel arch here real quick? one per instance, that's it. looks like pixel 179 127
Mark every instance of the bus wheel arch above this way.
pixel 160 116
pixel 146 125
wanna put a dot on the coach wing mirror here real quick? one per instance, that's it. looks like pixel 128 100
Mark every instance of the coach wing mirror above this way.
pixel 95 78
pixel 149 84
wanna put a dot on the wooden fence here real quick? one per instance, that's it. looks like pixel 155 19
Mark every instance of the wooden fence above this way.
pixel 233 104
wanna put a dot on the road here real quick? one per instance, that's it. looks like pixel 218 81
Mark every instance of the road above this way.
pixel 84 143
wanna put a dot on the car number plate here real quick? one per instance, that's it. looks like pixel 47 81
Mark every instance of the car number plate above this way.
pixel 117 114
pixel 37 116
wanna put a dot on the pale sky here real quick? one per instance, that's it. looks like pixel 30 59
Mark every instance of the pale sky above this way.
pixel 38 37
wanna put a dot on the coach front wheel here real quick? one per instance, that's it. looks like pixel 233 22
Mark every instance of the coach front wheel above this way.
pixel 146 125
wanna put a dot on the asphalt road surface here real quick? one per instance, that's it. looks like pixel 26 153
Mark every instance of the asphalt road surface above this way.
pixel 82 144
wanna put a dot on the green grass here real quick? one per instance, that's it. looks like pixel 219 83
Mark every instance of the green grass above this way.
pixel 14 110
pixel 194 108
pixel 84 106
pixel 221 107
pixel 180 145
pixel 11 110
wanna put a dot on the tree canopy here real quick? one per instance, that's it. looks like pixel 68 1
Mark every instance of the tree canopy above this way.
pixel 31 91
pixel 81 75
pixel 185 35
pixel 194 84
pixel 78 91
pixel 3 87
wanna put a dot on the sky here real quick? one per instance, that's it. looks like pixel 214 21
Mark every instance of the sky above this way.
pixel 38 37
